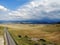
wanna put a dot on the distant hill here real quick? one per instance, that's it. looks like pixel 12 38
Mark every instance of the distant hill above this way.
pixel 32 22
pixel 58 22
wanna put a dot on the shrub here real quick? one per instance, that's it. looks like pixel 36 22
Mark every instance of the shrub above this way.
pixel 19 36
pixel 42 40
pixel 26 36
pixel 36 44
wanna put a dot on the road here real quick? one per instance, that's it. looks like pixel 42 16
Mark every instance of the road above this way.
pixel 9 40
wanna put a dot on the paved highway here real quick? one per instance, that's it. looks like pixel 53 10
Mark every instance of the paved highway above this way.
pixel 9 40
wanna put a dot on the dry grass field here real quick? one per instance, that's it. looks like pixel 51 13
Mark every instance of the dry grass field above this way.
pixel 1 35
pixel 35 34
pixel 1 30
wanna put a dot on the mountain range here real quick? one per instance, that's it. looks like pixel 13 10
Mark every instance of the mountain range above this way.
pixel 43 21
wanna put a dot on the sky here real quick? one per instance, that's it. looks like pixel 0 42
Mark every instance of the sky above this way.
pixel 29 9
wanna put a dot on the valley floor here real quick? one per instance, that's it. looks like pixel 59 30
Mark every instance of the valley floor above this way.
pixel 30 34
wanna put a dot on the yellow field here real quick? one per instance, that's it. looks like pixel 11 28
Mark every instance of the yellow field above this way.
pixel 49 32
pixel 1 35
pixel 1 30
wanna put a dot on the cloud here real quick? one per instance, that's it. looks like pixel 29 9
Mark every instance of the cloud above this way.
pixel 36 9
pixel 2 8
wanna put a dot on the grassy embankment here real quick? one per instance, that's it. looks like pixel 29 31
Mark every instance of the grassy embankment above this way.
pixel 1 30
pixel 28 34
pixel 1 35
